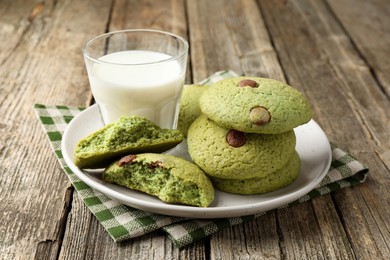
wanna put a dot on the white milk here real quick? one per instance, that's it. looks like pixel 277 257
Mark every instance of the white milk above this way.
pixel 131 83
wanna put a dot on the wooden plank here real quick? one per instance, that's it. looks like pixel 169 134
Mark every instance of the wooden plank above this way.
pixel 367 24
pixel 15 19
pixel 326 237
pixel 212 46
pixel 45 66
pixel 253 240
pixel 367 36
pixel 245 38
pixel 326 66
pixel 86 239
pixel 159 15
pixel 304 246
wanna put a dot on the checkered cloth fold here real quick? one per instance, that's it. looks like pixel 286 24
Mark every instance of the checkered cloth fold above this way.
pixel 123 222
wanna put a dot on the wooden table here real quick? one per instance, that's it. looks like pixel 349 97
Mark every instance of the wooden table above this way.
pixel 335 51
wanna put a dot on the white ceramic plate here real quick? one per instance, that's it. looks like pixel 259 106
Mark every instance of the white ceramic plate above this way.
pixel 312 145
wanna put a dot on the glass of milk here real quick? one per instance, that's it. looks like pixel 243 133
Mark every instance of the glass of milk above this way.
pixel 137 73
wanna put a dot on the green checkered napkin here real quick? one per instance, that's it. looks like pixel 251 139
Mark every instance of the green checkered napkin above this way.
pixel 123 222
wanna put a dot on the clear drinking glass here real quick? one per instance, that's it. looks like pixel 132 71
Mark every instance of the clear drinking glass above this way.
pixel 137 73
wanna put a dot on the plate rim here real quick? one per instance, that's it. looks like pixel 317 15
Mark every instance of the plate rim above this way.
pixel 184 210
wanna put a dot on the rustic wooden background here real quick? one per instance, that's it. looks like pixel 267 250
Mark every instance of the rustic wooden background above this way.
pixel 335 51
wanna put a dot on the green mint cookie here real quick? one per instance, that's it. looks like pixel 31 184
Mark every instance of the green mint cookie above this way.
pixel 171 179
pixel 231 154
pixel 189 106
pixel 276 180
pixel 127 135
pixel 255 105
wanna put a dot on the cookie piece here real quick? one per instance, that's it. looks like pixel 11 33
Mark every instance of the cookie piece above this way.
pixel 189 106
pixel 127 135
pixel 230 154
pixel 255 105
pixel 171 179
pixel 276 180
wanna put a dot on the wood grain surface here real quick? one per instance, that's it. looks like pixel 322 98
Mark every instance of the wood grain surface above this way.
pixel 336 52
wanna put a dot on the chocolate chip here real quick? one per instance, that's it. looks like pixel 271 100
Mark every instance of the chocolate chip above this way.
pixel 259 115
pixel 248 83
pixel 155 164
pixel 235 138
pixel 127 159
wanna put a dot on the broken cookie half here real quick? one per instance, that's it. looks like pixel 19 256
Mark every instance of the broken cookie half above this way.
pixel 171 179
pixel 125 136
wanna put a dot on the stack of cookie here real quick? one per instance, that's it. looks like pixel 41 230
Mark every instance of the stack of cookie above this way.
pixel 244 139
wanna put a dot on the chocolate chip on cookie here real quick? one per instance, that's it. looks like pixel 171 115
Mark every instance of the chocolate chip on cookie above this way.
pixel 259 115
pixel 248 83
pixel 235 138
